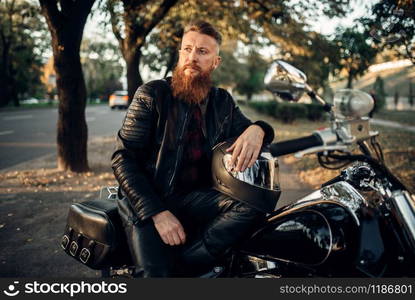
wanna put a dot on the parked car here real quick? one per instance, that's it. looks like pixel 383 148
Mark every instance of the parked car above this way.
pixel 30 101
pixel 118 99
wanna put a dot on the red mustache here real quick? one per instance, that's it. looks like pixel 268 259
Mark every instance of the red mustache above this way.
pixel 193 66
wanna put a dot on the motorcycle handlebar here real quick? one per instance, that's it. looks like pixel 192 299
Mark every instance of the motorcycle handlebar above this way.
pixel 292 146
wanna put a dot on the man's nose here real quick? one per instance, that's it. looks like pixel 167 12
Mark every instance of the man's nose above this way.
pixel 193 55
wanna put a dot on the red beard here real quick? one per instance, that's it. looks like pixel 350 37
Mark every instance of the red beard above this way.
pixel 191 89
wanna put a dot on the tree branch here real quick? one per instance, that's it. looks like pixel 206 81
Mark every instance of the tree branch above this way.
pixel 82 8
pixel 114 23
pixel 265 9
pixel 51 12
pixel 159 14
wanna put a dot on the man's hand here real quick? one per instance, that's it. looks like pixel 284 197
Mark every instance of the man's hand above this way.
pixel 246 148
pixel 169 228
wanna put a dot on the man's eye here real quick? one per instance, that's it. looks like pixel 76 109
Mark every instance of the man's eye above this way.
pixel 188 49
pixel 202 51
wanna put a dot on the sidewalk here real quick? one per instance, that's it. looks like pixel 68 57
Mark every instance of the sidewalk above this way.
pixel 34 202
pixel 392 124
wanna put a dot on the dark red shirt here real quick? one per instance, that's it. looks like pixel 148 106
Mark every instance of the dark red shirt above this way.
pixel 195 170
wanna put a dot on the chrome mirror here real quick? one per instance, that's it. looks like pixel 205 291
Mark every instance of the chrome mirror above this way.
pixel 286 81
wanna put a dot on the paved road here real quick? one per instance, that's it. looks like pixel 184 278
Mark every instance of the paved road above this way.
pixel 29 134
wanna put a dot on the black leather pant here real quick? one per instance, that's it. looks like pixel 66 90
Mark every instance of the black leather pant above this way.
pixel 213 223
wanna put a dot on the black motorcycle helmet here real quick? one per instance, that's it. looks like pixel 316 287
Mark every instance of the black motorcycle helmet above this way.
pixel 258 186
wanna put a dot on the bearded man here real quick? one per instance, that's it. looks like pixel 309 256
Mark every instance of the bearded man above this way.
pixel 170 212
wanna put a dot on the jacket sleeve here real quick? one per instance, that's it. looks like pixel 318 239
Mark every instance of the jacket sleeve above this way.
pixel 129 157
pixel 240 122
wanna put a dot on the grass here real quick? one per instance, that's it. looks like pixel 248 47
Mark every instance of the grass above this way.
pixel 401 116
pixel 398 147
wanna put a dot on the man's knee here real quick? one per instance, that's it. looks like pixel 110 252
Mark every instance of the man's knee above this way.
pixel 231 227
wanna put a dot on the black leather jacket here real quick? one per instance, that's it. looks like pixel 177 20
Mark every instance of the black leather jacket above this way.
pixel 150 142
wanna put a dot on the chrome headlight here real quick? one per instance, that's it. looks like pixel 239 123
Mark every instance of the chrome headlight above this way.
pixel 351 104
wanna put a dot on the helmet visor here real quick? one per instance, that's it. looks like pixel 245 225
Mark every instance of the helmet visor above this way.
pixel 263 174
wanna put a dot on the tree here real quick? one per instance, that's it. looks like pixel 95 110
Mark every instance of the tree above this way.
pixel 66 21
pixel 356 54
pixel 131 22
pixel 20 59
pixel 160 52
pixel 396 98
pixel 256 68
pixel 252 22
pixel 231 72
pixel 379 88
pixel 392 26
pixel 318 59
pixel 102 68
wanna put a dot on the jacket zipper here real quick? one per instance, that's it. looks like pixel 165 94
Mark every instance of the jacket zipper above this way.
pixel 179 151
pixel 220 130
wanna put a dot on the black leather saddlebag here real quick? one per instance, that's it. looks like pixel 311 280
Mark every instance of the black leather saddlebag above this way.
pixel 94 234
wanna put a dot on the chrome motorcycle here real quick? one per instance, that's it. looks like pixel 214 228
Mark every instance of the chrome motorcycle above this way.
pixel 359 224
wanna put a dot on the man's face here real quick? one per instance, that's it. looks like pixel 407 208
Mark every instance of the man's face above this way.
pixel 198 54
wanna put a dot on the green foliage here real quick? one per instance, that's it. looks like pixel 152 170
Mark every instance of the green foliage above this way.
pixel 160 51
pixel 230 71
pixel 264 107
pixel 101 67
pixel 22 36
pixel 391 25
pixel 246 74
pixel 289 112
pixel 256 68
pixel 315 112
pixel 266 22
pixel 356 53
pixel 380 94
pixel 317 60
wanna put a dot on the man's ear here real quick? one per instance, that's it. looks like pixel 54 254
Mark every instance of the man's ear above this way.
pixel 218 60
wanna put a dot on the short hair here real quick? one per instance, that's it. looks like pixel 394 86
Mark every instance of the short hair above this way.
pixel 204 28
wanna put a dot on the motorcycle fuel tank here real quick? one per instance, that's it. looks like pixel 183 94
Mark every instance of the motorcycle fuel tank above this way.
pixel 319 228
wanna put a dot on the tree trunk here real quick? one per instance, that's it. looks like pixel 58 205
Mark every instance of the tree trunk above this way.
pixel 350 80
pixel 248 97
pixel 6 88
pixel 136 29
pixel 12 85
pixel 134 80
pixel 172 61
pixel 66 26
pixel 72 135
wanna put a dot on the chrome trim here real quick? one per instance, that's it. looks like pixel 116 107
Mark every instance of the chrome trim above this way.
pixel 262 174
pixel 406 208
pixel 337 193
pixel 327 136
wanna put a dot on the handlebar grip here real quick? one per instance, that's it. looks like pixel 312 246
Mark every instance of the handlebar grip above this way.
pixel 292 146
